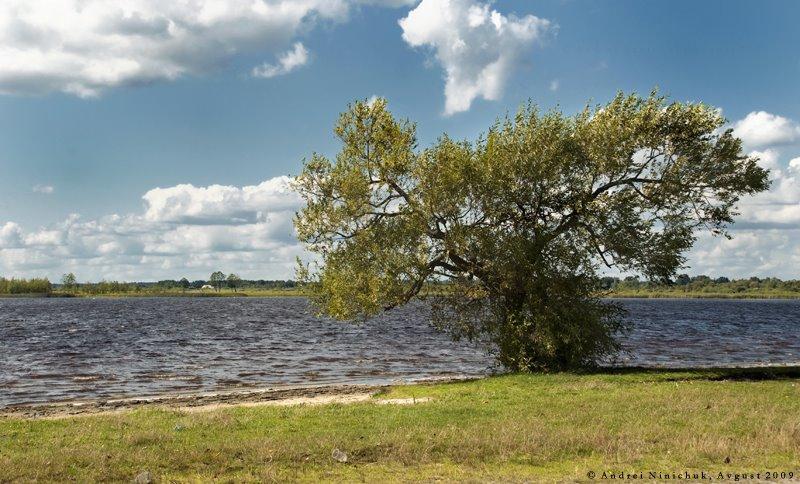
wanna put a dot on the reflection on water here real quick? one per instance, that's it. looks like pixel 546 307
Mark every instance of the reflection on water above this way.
pixel 58 349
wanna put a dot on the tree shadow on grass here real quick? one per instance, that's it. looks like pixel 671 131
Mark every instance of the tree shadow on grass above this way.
pixel 754 373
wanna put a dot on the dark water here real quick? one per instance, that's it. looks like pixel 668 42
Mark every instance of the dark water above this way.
pixel 62 349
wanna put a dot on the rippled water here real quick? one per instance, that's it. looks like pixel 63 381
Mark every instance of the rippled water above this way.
pixel 61 349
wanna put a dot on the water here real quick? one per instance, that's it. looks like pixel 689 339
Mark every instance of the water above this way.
pixel 712 332
pixel 66 349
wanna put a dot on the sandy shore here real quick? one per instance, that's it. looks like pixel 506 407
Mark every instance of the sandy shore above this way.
pixel 306 395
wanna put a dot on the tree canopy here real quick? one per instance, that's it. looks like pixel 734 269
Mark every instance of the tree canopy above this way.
pixel 234 281
pixel 217 279
pixel 520 221
pixel 69 280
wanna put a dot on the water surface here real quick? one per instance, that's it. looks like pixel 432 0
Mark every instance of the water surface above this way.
pixel 63 349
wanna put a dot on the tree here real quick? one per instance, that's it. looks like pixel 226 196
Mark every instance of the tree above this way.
pixel 519 221
pixel 184 283
pixel 234 281
pixel 683 279
pixel 217 279
pixel 69 281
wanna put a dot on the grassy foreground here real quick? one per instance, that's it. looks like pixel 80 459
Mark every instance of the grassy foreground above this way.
pixel 510 428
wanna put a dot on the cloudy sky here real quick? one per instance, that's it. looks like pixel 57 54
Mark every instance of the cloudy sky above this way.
pixel 142 139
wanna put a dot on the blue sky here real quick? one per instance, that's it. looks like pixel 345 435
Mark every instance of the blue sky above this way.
pixel 81 133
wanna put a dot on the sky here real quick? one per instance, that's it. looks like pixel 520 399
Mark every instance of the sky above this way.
pixel 143 140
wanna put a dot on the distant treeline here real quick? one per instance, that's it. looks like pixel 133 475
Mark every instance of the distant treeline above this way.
pixel 632 286
pixel 25 286
pixel 168 285
pixel 704 285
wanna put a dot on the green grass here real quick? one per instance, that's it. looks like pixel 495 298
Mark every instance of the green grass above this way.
pixel 510 428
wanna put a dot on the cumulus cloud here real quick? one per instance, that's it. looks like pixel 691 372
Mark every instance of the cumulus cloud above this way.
pixel 183 231
pixel 780 206
pixel 220 204
pixel 389 3
pixel 287 62
pixel 762 253
pixel 760 128
pixel 44 189
pixel 477 46
pixel 10 235
pixel 766 234
pixel 85 46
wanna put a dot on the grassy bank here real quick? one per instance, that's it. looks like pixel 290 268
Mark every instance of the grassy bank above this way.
pixel 516 428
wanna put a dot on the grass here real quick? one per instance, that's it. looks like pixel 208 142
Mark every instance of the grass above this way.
pixel 511 428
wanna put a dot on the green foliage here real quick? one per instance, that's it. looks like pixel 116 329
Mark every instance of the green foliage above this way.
pixel 25 286
pixel 704 286
pixel 217 279
pixel 234 281
pixel 69 281
pixel 519 221
pixel 108 287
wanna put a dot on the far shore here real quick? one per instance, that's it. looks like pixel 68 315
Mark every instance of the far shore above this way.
pixel 301 293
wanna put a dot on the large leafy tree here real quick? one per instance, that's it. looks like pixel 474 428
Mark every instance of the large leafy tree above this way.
pixel 520 221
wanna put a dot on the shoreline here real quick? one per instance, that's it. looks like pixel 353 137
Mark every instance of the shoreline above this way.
pixel 204 401
pixel 343 392
pixel 188 401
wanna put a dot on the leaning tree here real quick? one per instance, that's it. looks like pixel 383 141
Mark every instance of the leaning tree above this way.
pixel 520 222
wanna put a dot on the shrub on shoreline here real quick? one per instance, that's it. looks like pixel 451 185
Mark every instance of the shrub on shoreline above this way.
pixel 25 286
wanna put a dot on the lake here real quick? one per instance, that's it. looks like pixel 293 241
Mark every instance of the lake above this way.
pixel 66 349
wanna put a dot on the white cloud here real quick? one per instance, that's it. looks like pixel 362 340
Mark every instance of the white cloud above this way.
pixel 554 85
pixel 183 231
pixel 762 253
pixel 44 189
pixel 287 62
pixel 780 205
pixel 389 3
pixel 220 204
pixel 83 47
pixel 760 128
pixel 478 47
pixel 10 235
pixel 767 159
